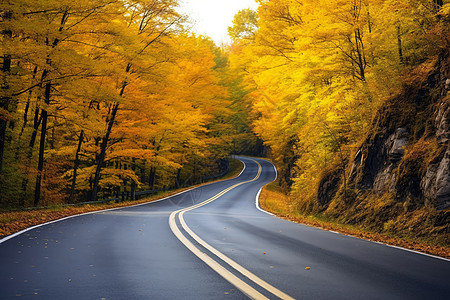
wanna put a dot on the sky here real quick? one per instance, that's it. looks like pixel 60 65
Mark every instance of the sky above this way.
pixel 213 17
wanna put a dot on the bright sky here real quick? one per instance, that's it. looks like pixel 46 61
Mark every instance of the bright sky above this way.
pixel 213 17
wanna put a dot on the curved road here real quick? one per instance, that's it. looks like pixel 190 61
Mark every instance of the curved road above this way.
pixel 211 242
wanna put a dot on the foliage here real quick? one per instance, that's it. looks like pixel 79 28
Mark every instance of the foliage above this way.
pixel 14 221
pixel 319 70
pixel 429 234
pixel 324 76
pixel 104 96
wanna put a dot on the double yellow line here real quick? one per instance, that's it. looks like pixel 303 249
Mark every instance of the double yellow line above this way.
pixel 227 275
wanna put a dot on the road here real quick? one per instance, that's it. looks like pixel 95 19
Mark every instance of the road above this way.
pixel 211 242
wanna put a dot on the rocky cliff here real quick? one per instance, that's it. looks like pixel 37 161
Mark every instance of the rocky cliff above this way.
pixel 399 179
pixel 408 153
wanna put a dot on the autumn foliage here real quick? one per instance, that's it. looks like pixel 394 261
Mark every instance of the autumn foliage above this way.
pixel 321 76
pixel 106 96
pixel 319 71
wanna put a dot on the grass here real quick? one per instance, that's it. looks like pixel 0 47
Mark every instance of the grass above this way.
pixel 278 203
pixel 12 222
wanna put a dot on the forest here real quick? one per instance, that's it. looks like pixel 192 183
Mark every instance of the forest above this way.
pixel 321 70
pixel 351 99
pixel 109 96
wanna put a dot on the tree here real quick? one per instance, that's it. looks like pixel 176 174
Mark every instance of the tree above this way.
pixel 150 21
pixel 245 25
pixel 318 70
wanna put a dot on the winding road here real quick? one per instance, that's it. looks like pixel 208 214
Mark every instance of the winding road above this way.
pixel 211 242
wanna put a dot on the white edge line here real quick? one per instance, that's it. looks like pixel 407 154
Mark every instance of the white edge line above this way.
pixel 243 169
pixel 349 235
pixel 383 244
pixel 6 238
pixel 413 251
pixel 259 193
pixel 85 214
pixel 259 207
pixel 230 277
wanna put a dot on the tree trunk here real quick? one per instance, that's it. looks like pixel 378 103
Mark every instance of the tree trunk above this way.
pixel 25 115
pixel 133 184
pixel 37 190
pixel 4 102
pixel 37 121
pixel 399 45
pixel 44 116
pixel 102 155
pixel 76 164
pixel 2 140
pixel 361 61
pixel 151 178
pixel 177 179
pixel 27 106
pixel 36 124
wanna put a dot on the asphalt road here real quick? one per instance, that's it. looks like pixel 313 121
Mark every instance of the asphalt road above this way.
pixel 209 243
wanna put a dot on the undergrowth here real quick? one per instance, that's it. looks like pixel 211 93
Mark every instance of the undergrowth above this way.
pixel 12 222
pixel 379 219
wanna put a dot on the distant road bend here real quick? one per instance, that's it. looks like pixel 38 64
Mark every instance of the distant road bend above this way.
pixel 211 242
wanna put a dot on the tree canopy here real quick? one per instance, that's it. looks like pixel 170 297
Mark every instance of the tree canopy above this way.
pixel 318 71
pixel 107 96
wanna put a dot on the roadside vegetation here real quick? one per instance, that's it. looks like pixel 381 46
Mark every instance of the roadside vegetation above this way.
pixel 274 200
pixel 15 221
pixel 105 97
pixel 352 99
pixel 349 98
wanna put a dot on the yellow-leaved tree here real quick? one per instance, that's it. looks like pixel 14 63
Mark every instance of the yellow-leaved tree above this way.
pixel 320 69
pixel 102 97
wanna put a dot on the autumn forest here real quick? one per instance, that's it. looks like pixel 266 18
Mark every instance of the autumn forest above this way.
pixel 101 97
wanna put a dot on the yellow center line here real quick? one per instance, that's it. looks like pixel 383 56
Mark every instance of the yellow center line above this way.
pixel 238 283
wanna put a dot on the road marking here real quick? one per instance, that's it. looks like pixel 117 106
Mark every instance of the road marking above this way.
pixel 259 207
pixel 342 234
pixel 234 280
pixel 13 235
pixel 413 251
pixel 227 275
pixel 259 193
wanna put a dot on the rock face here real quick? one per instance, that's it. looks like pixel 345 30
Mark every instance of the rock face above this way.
pixel 419 117
pixel 328 187
pixel 436 182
